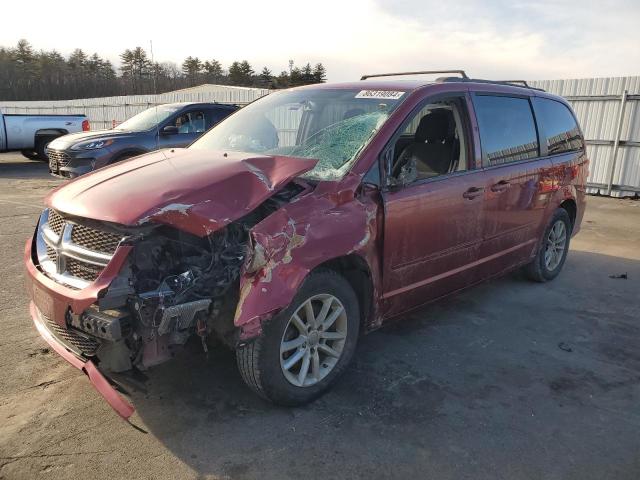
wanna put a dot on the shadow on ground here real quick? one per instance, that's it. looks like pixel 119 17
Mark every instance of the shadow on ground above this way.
pixel 509 379
pixel 25 169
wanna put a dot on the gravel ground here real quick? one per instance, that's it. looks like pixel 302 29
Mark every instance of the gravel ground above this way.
pixel 509 380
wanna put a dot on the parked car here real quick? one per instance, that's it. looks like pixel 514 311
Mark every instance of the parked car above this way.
pixel 307 218
pixel 164 126
pixel 30 134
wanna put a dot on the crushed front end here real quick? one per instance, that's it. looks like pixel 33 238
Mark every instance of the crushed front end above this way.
pixel 112 298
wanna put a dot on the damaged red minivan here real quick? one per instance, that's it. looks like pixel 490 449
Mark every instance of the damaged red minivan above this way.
pixel 303 220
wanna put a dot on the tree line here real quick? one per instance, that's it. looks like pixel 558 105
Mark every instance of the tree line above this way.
pixel 27 74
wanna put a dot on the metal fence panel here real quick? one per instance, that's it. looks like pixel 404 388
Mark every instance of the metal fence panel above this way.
pixel 106 112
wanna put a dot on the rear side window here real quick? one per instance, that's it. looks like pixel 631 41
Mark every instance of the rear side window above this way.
pixel 559 125
pixel 507 129
pixel 215 115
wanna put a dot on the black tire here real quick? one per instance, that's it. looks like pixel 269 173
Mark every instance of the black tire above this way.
pixel 30 154
pixel 538 270
pixel 259 360
pixel 41 147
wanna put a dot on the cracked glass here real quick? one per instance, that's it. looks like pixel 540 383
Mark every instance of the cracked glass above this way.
pixel 329 125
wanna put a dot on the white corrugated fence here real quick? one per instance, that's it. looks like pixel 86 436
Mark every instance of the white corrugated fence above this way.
pixel 105 112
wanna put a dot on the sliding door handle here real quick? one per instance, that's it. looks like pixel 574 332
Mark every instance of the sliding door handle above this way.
pixel 501 186
pixel 473 192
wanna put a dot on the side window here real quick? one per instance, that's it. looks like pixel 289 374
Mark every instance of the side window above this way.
pixel 190 122
pixel 560 127
pixel 214 116
pixel 433 143
pixel 507 129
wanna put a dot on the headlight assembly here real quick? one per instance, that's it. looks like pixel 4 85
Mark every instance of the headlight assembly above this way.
pixel 92 145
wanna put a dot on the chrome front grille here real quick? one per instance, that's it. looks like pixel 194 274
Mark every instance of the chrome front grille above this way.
pixel 52 253
pixel 56 222
pixel 57 159
pixel 95 239
pixel 70 253
pixel 82 270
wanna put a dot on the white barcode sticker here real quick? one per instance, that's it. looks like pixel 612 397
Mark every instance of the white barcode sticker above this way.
pixel 379 94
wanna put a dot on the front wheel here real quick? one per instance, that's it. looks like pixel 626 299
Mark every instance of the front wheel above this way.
pixel 304 349
pixel 553 250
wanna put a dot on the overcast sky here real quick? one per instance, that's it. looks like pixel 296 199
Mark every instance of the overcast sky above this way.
pixel 493 39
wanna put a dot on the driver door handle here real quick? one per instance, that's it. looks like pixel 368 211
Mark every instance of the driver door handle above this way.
pixel 501 186
pixel 473 192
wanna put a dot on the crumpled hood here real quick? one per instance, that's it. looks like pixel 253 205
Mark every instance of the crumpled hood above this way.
pixel 66 141
pixel 197 191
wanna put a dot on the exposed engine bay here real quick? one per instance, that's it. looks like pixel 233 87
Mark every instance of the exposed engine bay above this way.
pixel 174 285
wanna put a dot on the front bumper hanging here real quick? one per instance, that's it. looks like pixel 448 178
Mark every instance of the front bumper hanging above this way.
pixel 100 383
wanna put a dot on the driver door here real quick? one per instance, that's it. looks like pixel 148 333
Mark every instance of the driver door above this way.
pixel 186 130
pixel 433 223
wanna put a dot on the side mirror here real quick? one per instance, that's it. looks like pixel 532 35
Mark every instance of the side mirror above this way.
pixel 169 130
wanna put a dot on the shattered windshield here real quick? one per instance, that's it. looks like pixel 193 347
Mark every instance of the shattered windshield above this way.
pixel 328 125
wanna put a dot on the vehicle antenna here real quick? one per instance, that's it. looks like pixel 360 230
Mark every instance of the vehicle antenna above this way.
pixel 154 73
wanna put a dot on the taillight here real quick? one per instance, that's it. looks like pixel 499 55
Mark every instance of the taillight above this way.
pixel 85 126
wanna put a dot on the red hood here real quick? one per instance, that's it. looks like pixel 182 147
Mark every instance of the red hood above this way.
pixel 194 190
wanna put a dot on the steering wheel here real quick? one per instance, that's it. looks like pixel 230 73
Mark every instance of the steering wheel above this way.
pixel 401 162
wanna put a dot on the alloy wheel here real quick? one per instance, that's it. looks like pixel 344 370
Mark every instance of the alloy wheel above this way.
pixel 313 340
pixel 555 245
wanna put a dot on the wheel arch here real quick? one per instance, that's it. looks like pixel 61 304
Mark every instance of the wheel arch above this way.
pixel 50 132
pixel 571 207
pixel 288 245
pixel 355 269
pixel 127 153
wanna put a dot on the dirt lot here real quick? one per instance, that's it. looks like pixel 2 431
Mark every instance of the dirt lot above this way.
pixel 509 380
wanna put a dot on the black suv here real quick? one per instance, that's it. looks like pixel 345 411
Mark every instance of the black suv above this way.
pixel 164 126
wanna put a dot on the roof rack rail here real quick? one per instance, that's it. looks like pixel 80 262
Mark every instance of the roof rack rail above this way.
pixel 512 83
pixel 523 82
pixel 518 83
pixel 425 72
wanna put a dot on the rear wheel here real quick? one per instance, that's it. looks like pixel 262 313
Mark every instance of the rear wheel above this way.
pixel 304 349
pixel 553 250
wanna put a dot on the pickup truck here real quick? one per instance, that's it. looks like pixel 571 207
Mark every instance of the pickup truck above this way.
pixel 30 134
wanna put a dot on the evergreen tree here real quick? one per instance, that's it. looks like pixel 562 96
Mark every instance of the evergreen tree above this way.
pixel 319 73
pixel 213 71
pixel 192 68
pixel 47 75
pixel 295 78
pixel 266 78
pixel 78 61
pixel 307 74
pixel 24 61
pixel 241 73
pixel 283 80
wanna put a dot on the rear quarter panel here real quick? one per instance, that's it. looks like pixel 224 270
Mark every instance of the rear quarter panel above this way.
pixel 570 172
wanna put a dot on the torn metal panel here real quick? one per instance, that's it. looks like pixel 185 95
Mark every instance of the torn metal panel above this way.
pixel 179 189
pixel 294 240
